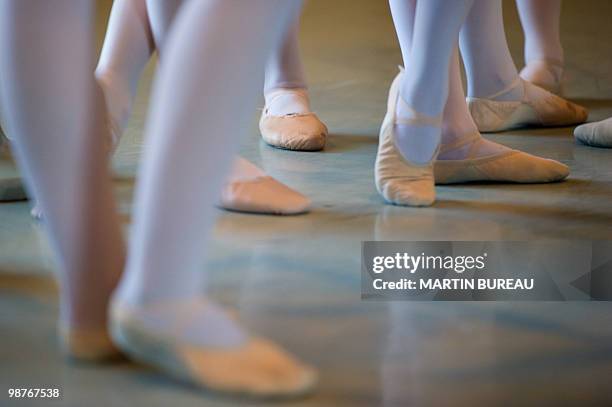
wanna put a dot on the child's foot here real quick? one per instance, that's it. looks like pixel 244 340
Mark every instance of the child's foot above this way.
pixel 250 189
pixel 199 343
pixel 406 178
pixel 287 122
pixel 596 134
pixel 538 107
pixel 473 158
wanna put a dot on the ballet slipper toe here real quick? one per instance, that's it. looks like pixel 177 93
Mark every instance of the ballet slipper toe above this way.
pixel 400 182
pixel 418 192
pixel 594 134
pixel 299 132
pixel 87 345
pixel 553 110
pixel 538 108
pixel 256 368
pixel 263 195
pixel 510 166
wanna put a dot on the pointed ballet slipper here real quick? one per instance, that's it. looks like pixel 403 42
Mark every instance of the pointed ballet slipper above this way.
pixel 597 134
pixel 507 166
pixel 299 132
pixel 398 181
pixel 256 368
pixel 545 73
pixel 262 195
pixel 87 345
pixel 538 108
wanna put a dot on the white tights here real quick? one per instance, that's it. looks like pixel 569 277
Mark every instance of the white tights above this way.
pixel 428 32
pixel 137 27
pixel 56 116
pixel 540 21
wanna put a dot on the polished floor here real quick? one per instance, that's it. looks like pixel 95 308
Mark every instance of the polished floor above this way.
pixel 297 279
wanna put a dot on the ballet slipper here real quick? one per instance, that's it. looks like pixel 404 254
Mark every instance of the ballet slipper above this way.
pixel 597 134
pixel 397 180
pixel 263 195
pixel 299 132
pixel 538 108
pixel 545 73
pixel 255 368
pixel 260 194
pixel 87 345
pixel 507 166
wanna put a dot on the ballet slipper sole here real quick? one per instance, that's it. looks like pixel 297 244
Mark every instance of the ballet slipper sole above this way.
pixel 587 134
pixel 258 369
pixel 87 346
pixel 396 181
pixel 493 116
pixel 11 189
pixel 302 132
pixel 263 195
pixel 512 166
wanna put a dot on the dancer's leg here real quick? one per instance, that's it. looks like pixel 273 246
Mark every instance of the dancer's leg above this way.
pixel 410 133
pixel 56 118
pixel 424 88
pixel 127 48
pixel 499 99
pixel 284 71
pixel 160 314
pixel 543 50
pixel 488 63
pixel 287 121
pixel 161 17
pixel 201 140
pixel 457 124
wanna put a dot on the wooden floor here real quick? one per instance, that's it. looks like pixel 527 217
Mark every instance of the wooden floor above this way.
pixel 297 279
